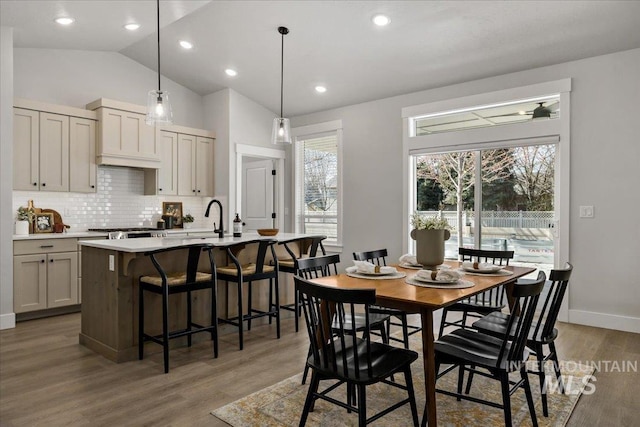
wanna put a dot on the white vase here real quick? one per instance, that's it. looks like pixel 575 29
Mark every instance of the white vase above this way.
pixel 187 224
pixel 430 247
pixel 22 228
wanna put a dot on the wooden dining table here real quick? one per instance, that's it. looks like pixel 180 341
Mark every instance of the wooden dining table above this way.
pixel 396 293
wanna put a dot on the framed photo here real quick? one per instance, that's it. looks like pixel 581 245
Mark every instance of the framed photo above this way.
pixel 43 223
pixel 175 210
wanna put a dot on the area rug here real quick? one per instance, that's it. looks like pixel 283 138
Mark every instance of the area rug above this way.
pixel 281 404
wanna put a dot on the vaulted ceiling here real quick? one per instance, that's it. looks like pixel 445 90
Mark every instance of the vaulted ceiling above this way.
pixel 332 43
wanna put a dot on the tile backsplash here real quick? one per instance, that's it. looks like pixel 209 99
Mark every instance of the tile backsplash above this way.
pixel 119 202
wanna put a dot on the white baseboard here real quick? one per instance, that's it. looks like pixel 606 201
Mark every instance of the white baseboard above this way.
pixel 7 321
pixel 603 320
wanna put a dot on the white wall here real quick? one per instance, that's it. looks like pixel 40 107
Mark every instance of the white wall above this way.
pixel 76 77
pixel 7 318
pixel 605 157
pixel 239 120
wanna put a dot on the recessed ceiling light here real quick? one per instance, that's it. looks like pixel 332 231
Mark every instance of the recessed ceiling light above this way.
pixel 381 20
pixel 185 44
pixel 321 89
pixel 132 26
pixel 65 21
pixel 230 72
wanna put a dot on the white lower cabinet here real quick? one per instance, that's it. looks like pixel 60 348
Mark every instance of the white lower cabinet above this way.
pixel 45 274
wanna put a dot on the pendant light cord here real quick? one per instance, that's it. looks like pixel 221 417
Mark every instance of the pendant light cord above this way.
pixel 282 74
pixel 158 20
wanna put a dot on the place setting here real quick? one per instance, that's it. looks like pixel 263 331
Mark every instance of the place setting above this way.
pixel 483 269
pixel 409 261
pixel 368 270
pixel 442 278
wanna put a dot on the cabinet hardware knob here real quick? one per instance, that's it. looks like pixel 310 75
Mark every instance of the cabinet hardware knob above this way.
pixel 193 191
pixel 44 184
pixel 35 183
pixel 159 189
pixel 198 191
pixel 46 246
pixel 50 260
pixel 93 186
pixel 42 261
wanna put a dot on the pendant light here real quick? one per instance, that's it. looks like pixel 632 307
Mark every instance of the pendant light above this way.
pixel 158 105
pixel 281 128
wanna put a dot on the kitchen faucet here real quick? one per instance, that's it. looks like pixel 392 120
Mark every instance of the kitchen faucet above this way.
pixel 220 230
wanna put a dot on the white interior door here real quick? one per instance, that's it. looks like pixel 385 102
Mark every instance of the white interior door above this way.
pixel 257 194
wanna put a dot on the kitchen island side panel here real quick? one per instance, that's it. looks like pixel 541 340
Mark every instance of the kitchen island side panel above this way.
pixel 110 303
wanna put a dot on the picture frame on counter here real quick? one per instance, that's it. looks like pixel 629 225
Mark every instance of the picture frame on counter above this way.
pixel 173 209
pixel 43 222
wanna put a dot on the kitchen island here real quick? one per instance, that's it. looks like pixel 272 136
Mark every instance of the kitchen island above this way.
pixel 111 269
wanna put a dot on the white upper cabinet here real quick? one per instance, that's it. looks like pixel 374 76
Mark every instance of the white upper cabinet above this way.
pixel 26 149
pixel 54 152
pixel 168 173
pixel 53 147
pixel 204 166
pixel 82 155
pixel 186 163
pixel 195 165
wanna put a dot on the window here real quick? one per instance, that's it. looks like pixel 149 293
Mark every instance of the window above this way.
pixel 513 209
pixel 318 204
pixel 489 115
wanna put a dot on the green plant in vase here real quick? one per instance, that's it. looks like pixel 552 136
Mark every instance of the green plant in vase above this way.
pixel 430 233
pixel 187 220
pixel 23 220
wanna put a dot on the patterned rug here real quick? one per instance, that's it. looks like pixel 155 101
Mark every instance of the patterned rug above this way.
pixel 281 404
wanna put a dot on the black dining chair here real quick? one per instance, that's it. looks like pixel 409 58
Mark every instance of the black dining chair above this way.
pixel 167 283
pixel 379 257
pixel 543 331
pixel 322 266
pixel 338 353
pixel 481 304
pixel 298 248
pixel 258 270
pixel 494 357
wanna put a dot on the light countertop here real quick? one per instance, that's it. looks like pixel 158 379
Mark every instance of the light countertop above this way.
pixel 96 234
pixel 145 244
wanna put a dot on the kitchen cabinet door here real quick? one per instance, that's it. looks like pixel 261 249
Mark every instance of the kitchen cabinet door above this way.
pixel 186 165
pixel 204 166
pixel 82 155
pixel 26 140
pixel 62 279
pixel 125 135
pixel 30 282
pixel 168 171
pixel 54 152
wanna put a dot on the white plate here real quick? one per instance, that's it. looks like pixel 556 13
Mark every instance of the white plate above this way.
pixel 442 282
pixel 493 269
pixel 374 274
pixel 412 266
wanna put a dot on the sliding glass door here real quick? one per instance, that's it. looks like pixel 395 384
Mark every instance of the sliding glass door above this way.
pixel 495 198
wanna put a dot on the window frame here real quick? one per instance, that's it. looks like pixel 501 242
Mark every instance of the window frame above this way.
pixel 312 131
pixel 495 137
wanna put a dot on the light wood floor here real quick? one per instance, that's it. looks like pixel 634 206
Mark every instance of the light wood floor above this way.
pixel 47 378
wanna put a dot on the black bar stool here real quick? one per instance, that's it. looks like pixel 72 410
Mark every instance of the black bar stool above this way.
pixel 298 248
pixel 169 283
pixel 259 269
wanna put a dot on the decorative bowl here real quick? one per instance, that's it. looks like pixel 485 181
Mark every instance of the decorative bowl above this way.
pixel 268 231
